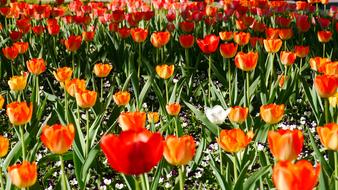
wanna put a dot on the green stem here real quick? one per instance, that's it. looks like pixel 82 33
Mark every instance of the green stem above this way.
pixel 87 134
pixel 326 110
pixel 137 184
pixel 166 90
pixel 336 170
pixel 73 62
pixel 247 89
pixel 101 94
pixel 139 60
pixel 22 142
pixel 1 180
pixel 209 81
pixel 181 176
pixel 63 177
pixel 323 50
pixel 143 183
pixel 229 81
pixel 66 105
pixel 186 51
pixel 176 127
pixel 235 168
pixel 37 90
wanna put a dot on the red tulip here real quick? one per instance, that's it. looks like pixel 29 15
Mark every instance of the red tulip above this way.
pixel 209 44
pixel 10 52
pixel 325 85
pixel 186 41
pixel 73 43
pixel 160 39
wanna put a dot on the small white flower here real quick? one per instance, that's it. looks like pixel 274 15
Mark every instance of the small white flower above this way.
pixel 161 180
pixel 260 147
pixel 175 80
pixel 217 114
pixel 167 185
pixel 119 185
pixel 107 181
pixel 198 174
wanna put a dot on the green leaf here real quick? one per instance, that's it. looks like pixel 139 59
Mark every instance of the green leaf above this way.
pixel 250 181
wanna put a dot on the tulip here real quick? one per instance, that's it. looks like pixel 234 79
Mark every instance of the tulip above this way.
pixel 23 175
pixel 216 114
pixel 73 43
pixel 330 68
pixel 153 117
pixel 302 23
pixel 124 32
pixel 88 36
pixel 18 83
pixel 241 38
pixel 285 33
pixel 15 35
pixel 173 109
pixel 317 62
pixel 74 85
pixel 85 98
pixel 2 101
pixel 333 100
pixel 10 52
pixel 53 28
pixel 36 66
pixel 208 44
pixel 238 114
pixel 38 30
pixel 63 74
pixel 246 61
pixel 324 36
pixel 135 121
pixel 281 80
pixel 165 71
pixel 19 113
pixel 272 33
pixel 179 151
pixel 58 138
pixel 296 176
pixel 302 51
pixel 21 46
pixel 186 41
pixel 133 152
pixel 226 36
pixel 187 26
pixel 287 58
pixel 121 98
pixel 325 85
pixel 234 140
pixel 328 135
pixel 139 35
pixel 285 144
pixel 4 145
pixel 272 113
pixel 228 50
pixel 272 45
pixel 102 70
pixel 159 39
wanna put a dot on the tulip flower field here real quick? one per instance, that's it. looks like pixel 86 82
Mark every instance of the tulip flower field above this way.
pixel 165 94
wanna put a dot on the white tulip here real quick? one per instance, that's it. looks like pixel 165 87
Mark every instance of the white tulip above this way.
pixel 217 114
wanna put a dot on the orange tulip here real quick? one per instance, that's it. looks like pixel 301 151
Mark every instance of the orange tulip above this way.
pixel 317 62
pixel 135 121
pixel 302 51
pixel 160 39
pixel 21 46
pixel 165 71
pixel 63 73
pixel 153 117
pixel 285 144
pixel 18 83
pixel 10 52
pixel 73 43
pixel 272 113
pixel 328 135
pixel 324 36
pixel 74 85
pixel 85 98
pixel 4 145
pixel 19 113
pixel 58 138
pixel 246 61
pixel 295 176
pixel 285 33
pixel 287 58
pixel 228 50
pixel 36 66
pixel 88 36
pixel 281 80
pixel 121 98
pixel 272 45
pixel 2 101
pixel 330 68
pixel 333 100
pixel 238 114
pixel 139 35
pixel 179 150
pixel 23 175
pixel 173 109
pixel 226 36
pixel 234 140
pixel 325 85
pixel 272 33
pixel 241 38
pixel 102 70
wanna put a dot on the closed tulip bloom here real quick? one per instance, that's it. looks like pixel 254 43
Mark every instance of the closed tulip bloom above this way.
pixel 186 41
pixel 73 43
pixel 226 36
pixel 333 100
pixel 324 36
pixel 135 121
pixel 187 26
pixel 153 117
pixel 124 32
pixel 317 62
pixel 325 85
pixel 21 46
pixel 241 38
pixel 85 98
pixel 4 145
pixel 165 71
pixel 216 114
pixel 295 176
pixel 139 35
pixel 246 61
pixel 133 152
pixel 285 33
pixel 179 151
pixel 63 73
pixel 238 114
pixel 302 23
pixel 74 85
pixel 18 83
pixel 159 39
pixel 282 79
pixel 121 98
pixel 287 58
pixel 330 68
pixel 102 70
pixel 272 113
pixel 285 144
pixel 272 33
pixel 88 36
pixel 234 140
pixel 173 109
pixel 328 135
pixel 10 52
pixel 19 113
pixel 24 174
pixel 36 66
pixel 302 51
pixel 2 101
pixel 208 44
pixel 58 138
pixel 272 45
pixel 228 50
